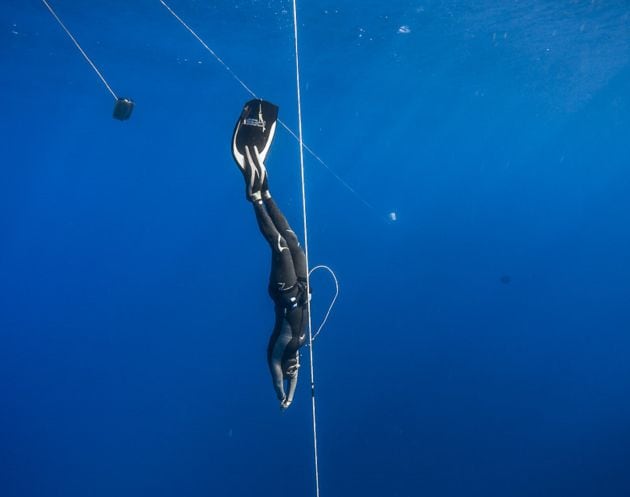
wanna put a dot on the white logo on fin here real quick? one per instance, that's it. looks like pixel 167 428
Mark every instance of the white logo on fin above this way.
pixel 259 123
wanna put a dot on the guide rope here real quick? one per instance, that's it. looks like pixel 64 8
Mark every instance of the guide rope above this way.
pixel 305 222
pixel 302 147
pixel 80 49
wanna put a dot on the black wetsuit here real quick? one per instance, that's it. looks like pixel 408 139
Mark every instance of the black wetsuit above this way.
pixel 252 138
pixel 287 288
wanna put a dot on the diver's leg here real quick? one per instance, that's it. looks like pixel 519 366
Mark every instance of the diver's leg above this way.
pixel 283 227
pixel 275 363
pixel 283 278
pixel 276 215
pixel 267 227
pixel 261 188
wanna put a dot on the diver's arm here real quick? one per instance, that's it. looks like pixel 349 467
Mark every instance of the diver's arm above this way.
pixel 278 342
pixel 275 367
pixel 292 385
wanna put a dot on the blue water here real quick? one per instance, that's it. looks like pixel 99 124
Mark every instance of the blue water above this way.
pixel 480 342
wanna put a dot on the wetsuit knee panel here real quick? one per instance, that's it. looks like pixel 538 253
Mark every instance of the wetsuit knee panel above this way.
pixel 291 238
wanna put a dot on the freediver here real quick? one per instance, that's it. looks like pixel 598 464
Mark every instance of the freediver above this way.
pixel 253 135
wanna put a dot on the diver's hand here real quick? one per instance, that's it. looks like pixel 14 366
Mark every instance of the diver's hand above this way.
pixel 284 405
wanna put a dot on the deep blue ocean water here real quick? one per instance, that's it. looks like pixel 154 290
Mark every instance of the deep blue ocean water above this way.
pixel 480 345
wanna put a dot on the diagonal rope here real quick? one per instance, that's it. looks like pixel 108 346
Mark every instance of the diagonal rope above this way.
pixel 80 49
pixel 335 175
pixel 253 94
pixel 205 45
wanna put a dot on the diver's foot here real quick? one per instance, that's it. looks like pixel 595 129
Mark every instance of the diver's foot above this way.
pixel 249 175
pixel 254 173
pixel 256 180
pixel 264 188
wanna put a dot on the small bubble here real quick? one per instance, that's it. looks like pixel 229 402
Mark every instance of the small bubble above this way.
pixel 404 29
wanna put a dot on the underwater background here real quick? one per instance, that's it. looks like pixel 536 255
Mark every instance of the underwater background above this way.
pixel 480 343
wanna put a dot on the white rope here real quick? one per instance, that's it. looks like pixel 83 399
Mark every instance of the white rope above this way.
pixel 336 176
pixel 203 43
pixel 253 94
pixel 332 302
pixel 303 181
pixel 80 49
